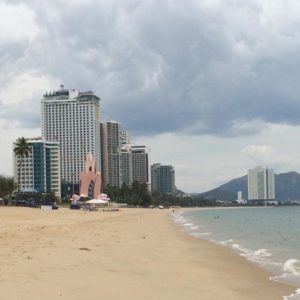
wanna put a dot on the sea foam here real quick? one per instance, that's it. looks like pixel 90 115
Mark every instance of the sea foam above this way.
pixel 249 232
pixel 292 266
pixel 294 296
pixel 262 252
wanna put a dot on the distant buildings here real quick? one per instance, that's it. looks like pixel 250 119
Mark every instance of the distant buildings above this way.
pixel 110 154
pixel 124 137
pixel 71 118
pixel 240 199
pixel 121 161
pixel 126 164
pixel 134 164
pixel 140 164
pixel 261 184
pixel 163 179
pixel 40 171
pixel 71 130
pixel 239 195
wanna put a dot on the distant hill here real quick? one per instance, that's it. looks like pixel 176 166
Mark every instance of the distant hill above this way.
pixel 219 195
pixel 287 187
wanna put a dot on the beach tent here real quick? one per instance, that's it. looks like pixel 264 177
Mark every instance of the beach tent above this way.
pixel 97 201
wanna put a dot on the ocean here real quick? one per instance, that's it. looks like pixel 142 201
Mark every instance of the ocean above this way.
pixel 267 236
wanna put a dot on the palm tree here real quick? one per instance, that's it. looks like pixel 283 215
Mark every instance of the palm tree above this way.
pixel 21 149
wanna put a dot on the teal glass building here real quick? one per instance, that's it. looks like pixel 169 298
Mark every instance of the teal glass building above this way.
pixel 40 171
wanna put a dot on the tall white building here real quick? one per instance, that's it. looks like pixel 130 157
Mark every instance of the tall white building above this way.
pixel 40 171
pixel 261 184
pixel 72 118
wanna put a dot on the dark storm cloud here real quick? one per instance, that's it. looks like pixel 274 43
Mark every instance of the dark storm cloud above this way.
pixel 209 67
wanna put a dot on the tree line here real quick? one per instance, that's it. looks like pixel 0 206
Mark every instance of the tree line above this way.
pixel 7 185
pixel 135 195
pixel 138 195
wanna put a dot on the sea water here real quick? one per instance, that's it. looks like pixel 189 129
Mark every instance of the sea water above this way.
pixel 267 236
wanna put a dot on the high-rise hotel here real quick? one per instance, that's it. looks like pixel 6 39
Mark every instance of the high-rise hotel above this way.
pixel 72 118
pixel 261 184
pixel 40 171
pixel 134 162
pixel 140 164
pixel 163 179
pixel 110 159
pixel 122 162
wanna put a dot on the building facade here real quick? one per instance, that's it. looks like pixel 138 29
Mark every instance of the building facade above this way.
pixel 261 184
pixel 40 171
pixel 134 164
pixel 72 118
pixel 110 158
pixel 126 165
pixel 124 137
pixel 122 162
pixel 163 179
pixel 140 164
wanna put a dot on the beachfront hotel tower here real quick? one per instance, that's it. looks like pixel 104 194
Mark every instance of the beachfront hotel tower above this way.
pixel 72 118
pixel 134 162
pixel 163 179
pixel 110 153
pixel 140 163
pixel 126 164
pixel 40 171
pixel 261 184
pixel 121 162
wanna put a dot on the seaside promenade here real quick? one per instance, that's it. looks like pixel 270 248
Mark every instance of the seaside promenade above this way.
pixel 130 254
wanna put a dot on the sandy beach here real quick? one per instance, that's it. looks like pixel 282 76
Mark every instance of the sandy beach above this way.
pixel 130 254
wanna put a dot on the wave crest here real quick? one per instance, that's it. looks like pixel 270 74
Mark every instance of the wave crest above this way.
pixel 292 266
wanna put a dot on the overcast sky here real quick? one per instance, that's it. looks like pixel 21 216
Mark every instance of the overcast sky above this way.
pixel 211 86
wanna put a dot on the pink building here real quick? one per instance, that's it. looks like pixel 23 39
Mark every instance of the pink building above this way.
pixel 90 179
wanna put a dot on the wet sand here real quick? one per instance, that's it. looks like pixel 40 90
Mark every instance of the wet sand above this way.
pixel 130 254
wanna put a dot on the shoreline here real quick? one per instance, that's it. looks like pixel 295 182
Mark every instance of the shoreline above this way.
pixel 241 263
pixel 272 276
pixel 130 254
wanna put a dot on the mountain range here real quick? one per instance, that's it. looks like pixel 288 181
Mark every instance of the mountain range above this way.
pixel 287 187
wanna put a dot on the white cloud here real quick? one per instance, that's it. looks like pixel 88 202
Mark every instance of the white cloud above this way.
pixel 23 87
pixel 255 151
pixel 260 155
pixel 17 23
pixel 8 135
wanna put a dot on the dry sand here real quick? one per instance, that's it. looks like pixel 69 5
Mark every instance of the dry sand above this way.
pixel 131 254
